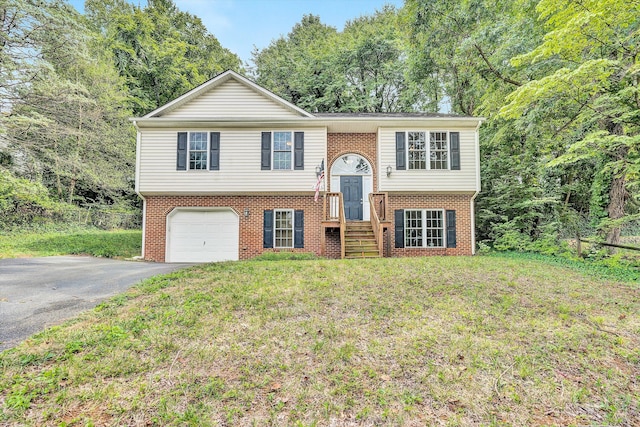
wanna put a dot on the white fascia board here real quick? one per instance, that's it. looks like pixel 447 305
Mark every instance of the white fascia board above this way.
pixel 367 124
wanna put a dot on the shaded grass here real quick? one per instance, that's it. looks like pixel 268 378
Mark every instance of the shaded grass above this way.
pixel 423 341
pixel 110 244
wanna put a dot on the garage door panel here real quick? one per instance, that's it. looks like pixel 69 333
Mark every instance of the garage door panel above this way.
pixel 203 236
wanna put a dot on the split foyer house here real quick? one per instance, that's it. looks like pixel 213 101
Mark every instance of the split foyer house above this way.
pixel 229 170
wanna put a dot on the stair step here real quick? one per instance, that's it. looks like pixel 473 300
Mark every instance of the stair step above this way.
pixel 350 256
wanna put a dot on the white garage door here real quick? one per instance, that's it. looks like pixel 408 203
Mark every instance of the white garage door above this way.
pixel 202 235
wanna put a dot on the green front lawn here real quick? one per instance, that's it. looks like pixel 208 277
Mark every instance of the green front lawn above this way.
pixel 111 244
pixel 423 341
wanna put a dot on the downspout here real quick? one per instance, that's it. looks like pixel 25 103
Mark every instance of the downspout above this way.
pixel 475 194
pixel 137 188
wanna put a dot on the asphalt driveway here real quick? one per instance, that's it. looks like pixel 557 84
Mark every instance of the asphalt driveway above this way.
pixel 36 293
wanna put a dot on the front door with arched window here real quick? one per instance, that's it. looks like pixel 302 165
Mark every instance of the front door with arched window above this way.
pixel 352 175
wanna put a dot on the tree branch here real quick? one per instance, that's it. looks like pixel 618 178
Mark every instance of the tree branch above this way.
pixel 492 68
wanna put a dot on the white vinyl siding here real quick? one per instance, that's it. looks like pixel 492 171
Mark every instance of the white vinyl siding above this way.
pixel 231 99
pixel 433 180
pixel 240 159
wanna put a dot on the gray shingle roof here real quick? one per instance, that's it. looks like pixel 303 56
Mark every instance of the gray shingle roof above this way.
pixel 391 115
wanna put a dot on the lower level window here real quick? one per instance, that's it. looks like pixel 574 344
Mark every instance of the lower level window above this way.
pixel 283 228
pixel 423 228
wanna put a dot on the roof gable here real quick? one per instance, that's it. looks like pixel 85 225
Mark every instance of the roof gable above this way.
pixel 229 95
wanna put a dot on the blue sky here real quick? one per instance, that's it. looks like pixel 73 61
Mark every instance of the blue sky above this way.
pixel 240 25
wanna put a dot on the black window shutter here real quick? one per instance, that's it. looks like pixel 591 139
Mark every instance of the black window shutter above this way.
pixel 266 151
pixel 399 228
pixel 298 229
pixel 298 151
pixel 401 149
pixel 214 151
pixel 454 144
pixel 451 229
pixel 268 229
pixel 181 163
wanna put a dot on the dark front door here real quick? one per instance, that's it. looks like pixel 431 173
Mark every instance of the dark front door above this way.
pixel 351 189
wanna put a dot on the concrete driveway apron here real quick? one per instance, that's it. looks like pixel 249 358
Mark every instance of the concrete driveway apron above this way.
pixel 36 293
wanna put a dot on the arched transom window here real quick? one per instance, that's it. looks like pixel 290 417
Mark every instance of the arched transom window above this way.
pixel 351 164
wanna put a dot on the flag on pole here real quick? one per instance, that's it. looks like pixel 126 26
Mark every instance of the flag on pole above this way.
pixel 319 182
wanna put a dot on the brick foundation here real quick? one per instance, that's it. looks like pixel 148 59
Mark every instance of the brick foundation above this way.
pixel 458 202
pixel 251 228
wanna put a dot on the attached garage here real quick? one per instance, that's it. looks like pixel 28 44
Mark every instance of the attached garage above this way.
pixel 202 235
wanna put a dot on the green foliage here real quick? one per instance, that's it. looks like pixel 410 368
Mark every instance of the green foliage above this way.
pixel 109 244
pixel 24 202
pixel 160 51
pixel 321 70
pixel 604 268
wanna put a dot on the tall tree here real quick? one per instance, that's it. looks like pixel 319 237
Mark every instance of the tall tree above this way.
pixel 300 68
pixel 162 52
pixel 323 70
pixel 589 99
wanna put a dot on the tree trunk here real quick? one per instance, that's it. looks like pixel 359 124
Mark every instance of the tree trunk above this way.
pixel 618 192
pixel 617 200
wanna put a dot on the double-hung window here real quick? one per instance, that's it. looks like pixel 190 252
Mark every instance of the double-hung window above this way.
pixel 423 228
pixel 198 151
pixel 439 150
pixel 417 150
pixel 282 150
pixel 283 229
pixel 423 150
pixel 198 148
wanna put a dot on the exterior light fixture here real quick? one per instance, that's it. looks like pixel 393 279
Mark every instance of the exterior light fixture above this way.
pixel 389 170
pixel 246 212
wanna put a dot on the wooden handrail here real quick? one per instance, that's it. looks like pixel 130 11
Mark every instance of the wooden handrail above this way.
pixel 375 217
pixel 343 225
pixel 333 210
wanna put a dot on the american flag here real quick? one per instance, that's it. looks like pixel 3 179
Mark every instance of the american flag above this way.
pixel 319 182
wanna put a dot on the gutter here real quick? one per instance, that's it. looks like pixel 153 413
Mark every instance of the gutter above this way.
pixel 478 188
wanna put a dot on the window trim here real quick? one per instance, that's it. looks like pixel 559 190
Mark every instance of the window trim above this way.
pixel 423 211
pixel 206 150
pixel 275 228
pixel 427 149
pixel 291 151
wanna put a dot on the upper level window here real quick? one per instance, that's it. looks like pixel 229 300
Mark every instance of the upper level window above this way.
pixel 422 150
pixel 198 151
pixel 417 150
pixel 439 150
pixel 198 148
pixel 282 150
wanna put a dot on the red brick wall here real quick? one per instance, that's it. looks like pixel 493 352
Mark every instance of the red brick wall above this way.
pixel 458 202
pixel 158 207
pixel 364 144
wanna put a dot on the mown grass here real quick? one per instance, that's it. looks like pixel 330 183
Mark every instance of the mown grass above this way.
pixel 110 244
pixel 423 341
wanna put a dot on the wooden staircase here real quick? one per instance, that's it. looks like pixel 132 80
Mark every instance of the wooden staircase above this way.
pixel 360 241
